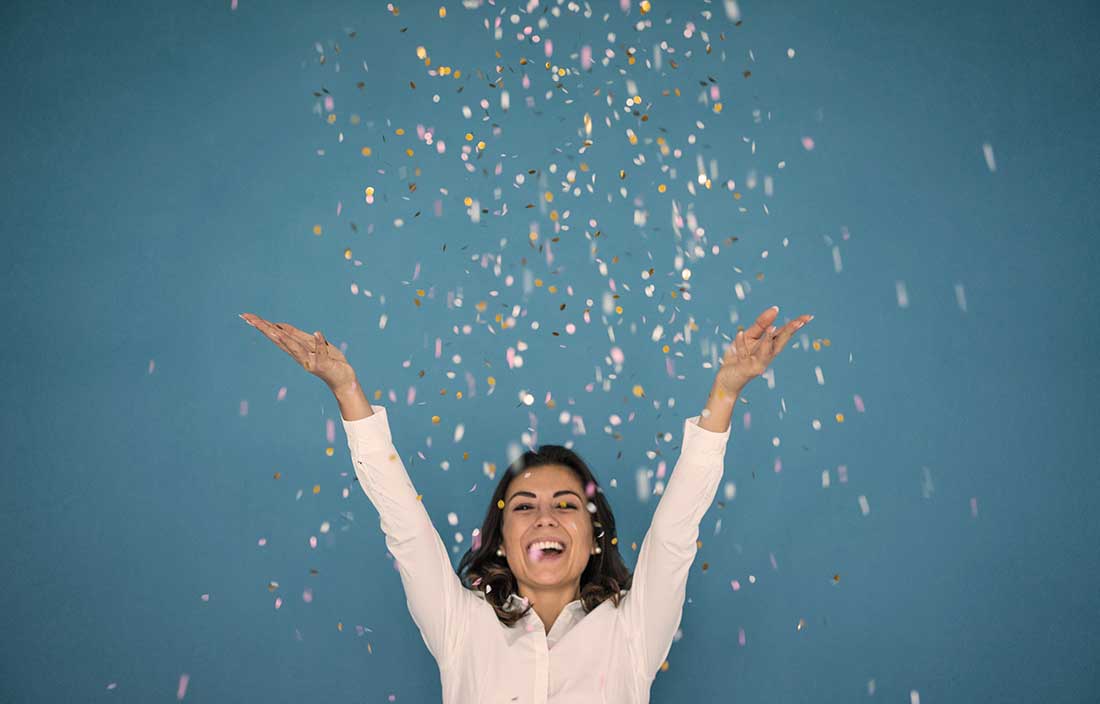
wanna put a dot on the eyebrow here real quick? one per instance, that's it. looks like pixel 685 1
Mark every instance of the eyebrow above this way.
pixel 556 494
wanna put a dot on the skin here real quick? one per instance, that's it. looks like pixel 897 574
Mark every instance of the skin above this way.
pixel 548 585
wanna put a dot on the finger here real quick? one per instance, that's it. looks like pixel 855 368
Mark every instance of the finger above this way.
pixel 785 335
pixel 282 339
pixel 758 328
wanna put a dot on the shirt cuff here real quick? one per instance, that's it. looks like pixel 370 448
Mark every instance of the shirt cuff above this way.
pixel 704 440
pixel 370 432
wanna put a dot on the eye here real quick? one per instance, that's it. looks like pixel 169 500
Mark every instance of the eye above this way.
pixel 568 505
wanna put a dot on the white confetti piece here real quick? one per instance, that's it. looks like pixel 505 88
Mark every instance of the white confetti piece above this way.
pixel 987 149
pixel 960 297
pixel 864 507
pixel 903 295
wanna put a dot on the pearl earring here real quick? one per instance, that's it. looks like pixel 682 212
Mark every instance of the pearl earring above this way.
pixel 500 551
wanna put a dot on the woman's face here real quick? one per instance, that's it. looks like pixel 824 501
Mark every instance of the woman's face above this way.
pixel 547 503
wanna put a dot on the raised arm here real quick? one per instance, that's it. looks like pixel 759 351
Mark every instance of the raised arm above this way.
pixel 654 606
pixel 438 602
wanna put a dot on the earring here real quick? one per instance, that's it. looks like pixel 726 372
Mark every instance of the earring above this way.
pixel 598 550
pixel 500 551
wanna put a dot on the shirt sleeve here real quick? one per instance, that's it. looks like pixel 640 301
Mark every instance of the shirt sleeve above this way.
pixel 654 605
pixel 436 599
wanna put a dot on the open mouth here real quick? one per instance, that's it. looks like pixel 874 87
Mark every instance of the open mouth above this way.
pixel 541 552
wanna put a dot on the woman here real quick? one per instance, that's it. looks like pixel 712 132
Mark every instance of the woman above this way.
pixel 542 609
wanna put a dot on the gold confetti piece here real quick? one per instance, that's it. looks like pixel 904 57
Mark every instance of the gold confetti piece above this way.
pixel 316 488
pixel 435 420
pixel 421 53
pixel 638 391
pixel 839 417
pixel 549 197
pixel 347 254
pixel 339 626
pixel 644 6
pixel 365 151
pixel 661 188
pixel 442 12
pixel 278 475
pixel 469 136
pixel 399 131
pixel 500 503
pixel 316 229
pixel 328 451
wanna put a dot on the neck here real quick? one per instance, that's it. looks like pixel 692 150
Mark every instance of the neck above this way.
pixel 549 602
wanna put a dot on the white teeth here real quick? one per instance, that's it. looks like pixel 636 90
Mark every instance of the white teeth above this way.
pixel 543 544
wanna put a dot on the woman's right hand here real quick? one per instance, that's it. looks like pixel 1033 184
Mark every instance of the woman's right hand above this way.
pixel 316 355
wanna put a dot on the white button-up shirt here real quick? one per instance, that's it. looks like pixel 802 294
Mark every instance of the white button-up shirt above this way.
pixel 610 655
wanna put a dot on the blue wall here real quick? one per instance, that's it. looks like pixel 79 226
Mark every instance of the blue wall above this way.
pixel 163 172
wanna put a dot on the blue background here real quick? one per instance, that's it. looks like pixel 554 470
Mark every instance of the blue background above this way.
pixel 166 163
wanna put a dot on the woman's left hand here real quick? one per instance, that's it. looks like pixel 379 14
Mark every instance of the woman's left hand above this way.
pixel 752 350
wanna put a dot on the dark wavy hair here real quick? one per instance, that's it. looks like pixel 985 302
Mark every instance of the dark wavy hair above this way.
pixel 482 570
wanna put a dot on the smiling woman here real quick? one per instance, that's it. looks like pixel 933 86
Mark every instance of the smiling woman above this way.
pixel 517 622
pixel 549 495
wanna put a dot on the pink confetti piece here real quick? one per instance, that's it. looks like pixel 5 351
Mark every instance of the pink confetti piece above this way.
pixel 282 394
pixel 510 357
pixel 437 207
pixel 661 469
pixel 313 541
pixel 410 396
pixel 973 506
pixel 808 143
pixel 307 595
pixel 233 6
pixel 438 347
pixel 549 48
pixel 329 103
pixel 842 472
pixel 736 585
pixel 771 556
pixel 205 597
pixel 278 603
pixel 416 272
pixel 859 402
pixel 747 420
pixel 113 685
pixel 244 408
pixel 586 57
pixel 261 542
pixel 152 366
pixel 778 467
pixel 181 690
pixel 330 430
pixel 617 355
pixel 741 636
